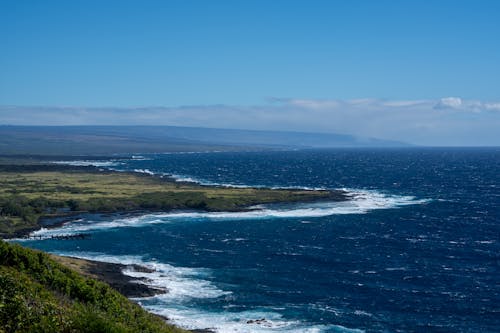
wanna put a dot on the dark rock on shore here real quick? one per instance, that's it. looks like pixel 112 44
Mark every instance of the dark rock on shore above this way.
pixel 126 285
pixel 113 275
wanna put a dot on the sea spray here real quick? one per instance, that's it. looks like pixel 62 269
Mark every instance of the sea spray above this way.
pixel 361 202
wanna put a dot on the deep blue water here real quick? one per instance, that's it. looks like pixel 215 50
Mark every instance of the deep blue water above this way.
pixel 417 251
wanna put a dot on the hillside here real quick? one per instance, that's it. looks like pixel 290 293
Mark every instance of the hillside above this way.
pixel 99 140
pixel 38 294
pixel 94 140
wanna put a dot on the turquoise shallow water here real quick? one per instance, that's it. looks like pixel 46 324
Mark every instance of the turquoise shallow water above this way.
pixel 416 250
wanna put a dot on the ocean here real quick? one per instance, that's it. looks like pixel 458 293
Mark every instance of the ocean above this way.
pixel 416 249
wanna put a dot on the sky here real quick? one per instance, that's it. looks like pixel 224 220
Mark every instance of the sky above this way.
pixel 424 72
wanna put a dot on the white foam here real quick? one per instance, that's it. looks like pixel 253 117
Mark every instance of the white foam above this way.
pixel 182 283
pixel 146 171
pixel 361 202
pixel 187 284
pixel 184 179
pixel 177 283
pixel 140 158
pixel 88 163
pixel 190 179
pixel 241 322
pixel 79 225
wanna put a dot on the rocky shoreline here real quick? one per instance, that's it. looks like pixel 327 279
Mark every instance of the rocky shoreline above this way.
pixel 112 274
pixel 63 192
pixel 88 191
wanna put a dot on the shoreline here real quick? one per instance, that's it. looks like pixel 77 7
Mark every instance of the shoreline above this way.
pixel 55 221
pixel 112 274
pixel 236 200
pixel 214 198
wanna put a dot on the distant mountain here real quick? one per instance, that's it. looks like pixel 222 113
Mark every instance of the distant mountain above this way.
pixel 98 140
pixel 276 138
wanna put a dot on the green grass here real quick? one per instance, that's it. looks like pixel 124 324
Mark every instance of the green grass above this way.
pixel 38 294
pixel 28 193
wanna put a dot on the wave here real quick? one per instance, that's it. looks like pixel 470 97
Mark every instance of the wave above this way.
pixel 185 285
pixel 79 226
pixel 88 163
pixel 140 158
pixel 146 171
pixel 190 179
pixel 182 283
pixel 175 177
pixel 361 202
pixel 179 177
pixel 259 321
pixel 186 179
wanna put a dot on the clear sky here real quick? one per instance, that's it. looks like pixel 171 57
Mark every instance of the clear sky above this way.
pixel 271 55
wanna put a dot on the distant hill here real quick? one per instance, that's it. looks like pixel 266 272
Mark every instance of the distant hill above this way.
pixel 277 138
pixel 98 140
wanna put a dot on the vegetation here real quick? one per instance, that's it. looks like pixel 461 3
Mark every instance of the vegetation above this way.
pixel 38 294
pixel 33 191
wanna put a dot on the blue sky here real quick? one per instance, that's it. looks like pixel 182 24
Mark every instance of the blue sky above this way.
pixel 259 55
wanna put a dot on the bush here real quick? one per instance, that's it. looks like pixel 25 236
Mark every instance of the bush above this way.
pixel 38 294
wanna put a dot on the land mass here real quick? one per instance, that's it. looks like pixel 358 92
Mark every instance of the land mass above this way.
pixel 112 274
pixel 39 294
pixel 47 293
pixel 31 192
pixel 99 140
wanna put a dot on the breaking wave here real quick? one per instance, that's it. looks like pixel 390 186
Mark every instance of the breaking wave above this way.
pixel 88 163
pixel 186 284
pixel 361 202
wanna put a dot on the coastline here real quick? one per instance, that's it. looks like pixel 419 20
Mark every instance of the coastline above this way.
pixel 112 274
pixel 58 220
pixel 50 195
pixel 231 200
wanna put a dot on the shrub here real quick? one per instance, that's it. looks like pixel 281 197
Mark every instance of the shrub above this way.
pixel 38 294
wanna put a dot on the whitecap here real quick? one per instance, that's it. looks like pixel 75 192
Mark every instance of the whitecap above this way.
pixel 361 202
pixel 79 226
pixel 146 171
pixel 185 179
pixel 140 158
pixel 190 179
pixel 95 163
pixel 184 284
pixel 259 321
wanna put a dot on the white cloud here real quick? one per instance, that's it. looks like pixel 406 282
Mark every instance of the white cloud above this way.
pixel 408 103
pixel 306 103
pixel 492 106
pixel 449 102
pixel 445 121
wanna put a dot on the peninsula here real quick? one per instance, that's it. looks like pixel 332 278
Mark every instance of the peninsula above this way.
pixel 52 293
pixel 30 192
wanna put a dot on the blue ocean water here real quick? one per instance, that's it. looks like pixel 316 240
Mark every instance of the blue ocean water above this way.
pixel 416 250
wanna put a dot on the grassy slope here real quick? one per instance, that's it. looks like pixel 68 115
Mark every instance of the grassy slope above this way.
pixel 38 294
pixel 31 192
